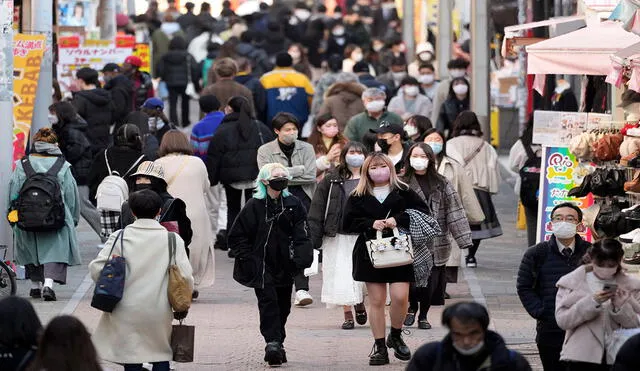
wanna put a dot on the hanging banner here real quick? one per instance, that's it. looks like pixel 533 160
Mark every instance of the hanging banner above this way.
pixel 28 51
pixel 92 53
pixel 561 172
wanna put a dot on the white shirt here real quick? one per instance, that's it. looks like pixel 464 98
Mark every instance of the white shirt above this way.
pixel 571 246
pixel 381 193
pixel 396 158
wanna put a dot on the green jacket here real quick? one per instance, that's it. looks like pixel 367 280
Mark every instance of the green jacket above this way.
pixel 48 247
pixel 360 124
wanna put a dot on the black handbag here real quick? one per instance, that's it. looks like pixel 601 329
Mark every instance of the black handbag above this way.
pixel 110 284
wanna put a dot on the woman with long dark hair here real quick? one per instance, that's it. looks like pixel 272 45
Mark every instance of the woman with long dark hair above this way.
pixel 327 232
pixel 232 154
pixel 442 199
pixel 457 101
pixel 480 161
pixel 327 141
pixel 66 346
pixel 20 329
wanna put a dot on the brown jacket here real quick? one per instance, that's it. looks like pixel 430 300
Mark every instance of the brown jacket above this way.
pixel 343 100
pixel 227 89
pixel 588 324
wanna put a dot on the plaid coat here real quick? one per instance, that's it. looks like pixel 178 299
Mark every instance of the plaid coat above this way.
pixel 451 218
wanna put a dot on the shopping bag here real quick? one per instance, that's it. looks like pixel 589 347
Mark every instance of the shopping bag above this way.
pixel 182 342
pixel 521 222
pixel 313 269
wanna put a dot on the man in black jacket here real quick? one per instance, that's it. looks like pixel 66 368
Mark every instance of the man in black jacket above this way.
pixel 121 89
pixel 470 345
pixel 541 268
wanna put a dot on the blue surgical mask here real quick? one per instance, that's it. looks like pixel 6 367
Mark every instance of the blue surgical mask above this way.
pixel 436 147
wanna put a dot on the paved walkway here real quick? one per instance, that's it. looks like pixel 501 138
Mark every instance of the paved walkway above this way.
pixel 226 315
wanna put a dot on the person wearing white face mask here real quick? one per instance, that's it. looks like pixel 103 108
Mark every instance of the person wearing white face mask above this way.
pixel 410 101
pixel 592 302
pixel 470 345
pixel 327 232
pixel 428 82
pixel 374 103
pixel 541 268
pixel 439 194
pixel 352 55
pixel 456 68
pixel 424 54
pixel 457 102
pixel 300 160
pixel 397 72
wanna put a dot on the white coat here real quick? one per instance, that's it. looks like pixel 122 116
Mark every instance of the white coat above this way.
pixel 139 328
pixel 482 169
pixel 187 179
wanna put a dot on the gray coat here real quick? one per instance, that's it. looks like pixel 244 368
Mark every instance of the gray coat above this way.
pixel 303 160
pixel 451 218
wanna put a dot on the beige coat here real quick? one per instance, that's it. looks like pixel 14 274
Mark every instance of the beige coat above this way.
pixel 585 323
pixel 187 180
pixel 482 169
pixel 139 329
pixel 451 170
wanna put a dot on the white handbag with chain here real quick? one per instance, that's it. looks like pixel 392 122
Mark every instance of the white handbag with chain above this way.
pixel 387 252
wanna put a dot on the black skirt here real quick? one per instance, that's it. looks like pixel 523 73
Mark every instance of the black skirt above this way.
pixel 364 271
pixel 490 227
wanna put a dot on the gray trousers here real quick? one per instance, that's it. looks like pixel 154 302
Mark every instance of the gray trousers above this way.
pixel 89 212
pixel 216 200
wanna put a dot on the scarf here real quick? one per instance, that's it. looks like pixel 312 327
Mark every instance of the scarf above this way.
pixel 47 149
pixel 423 229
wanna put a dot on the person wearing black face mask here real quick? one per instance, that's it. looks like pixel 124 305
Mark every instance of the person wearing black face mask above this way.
pixel 150 175
pixel 271 243
pixel 391 141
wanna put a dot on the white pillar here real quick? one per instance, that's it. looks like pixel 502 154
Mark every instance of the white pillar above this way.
pixel 444 37
pixel 480 63
pixel 408 28
pixel 108 20
pixel 42 23
pixel 6 128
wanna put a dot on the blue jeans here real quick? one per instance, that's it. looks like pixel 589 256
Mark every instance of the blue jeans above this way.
pixel 157 366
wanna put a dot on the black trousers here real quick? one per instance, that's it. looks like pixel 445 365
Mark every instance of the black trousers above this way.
pixel 274 304
pixel 550 358
pixel 234 202
pixel 174 94
pixel 474 248
pixel 532 225
pixel 584 366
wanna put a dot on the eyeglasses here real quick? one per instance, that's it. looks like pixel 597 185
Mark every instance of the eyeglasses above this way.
pixel 568 218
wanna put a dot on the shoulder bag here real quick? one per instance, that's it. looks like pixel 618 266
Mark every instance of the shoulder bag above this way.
pixel 387 252
pixel 110 284
pixel 178 289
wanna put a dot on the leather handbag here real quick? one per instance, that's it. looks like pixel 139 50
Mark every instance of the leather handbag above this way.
pixel 178 289
pixel 387 252
pixel 110 284
pixel 169 225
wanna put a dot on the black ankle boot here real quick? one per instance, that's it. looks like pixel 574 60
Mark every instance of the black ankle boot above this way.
pixel 273 353
pixel 379 355
pixel 400 349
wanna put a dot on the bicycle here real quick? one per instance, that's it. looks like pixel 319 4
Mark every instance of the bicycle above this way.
pixel 8 286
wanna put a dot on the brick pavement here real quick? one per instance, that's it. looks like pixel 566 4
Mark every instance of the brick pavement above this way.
pixel 226 315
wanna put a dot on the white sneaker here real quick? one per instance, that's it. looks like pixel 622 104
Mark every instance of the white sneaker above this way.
pixel 303 298
pixel 631 236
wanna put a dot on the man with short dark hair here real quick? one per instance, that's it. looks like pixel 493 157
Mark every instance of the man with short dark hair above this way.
pixel 287 90
pixel 246 77
pixel 225 87
pixel 121 89
pixel 470 345
pixel 541 268
pixel 397 72
pixel 187 19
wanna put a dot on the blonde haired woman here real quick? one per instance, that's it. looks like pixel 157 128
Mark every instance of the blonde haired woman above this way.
pixel 380 202
pixel 271 243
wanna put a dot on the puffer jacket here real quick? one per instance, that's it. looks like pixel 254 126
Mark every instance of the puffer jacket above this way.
pixel 174 66
pixel 76 148
pixel 541 268
pixel 271 242
pixel 96 107
pixel 442 356
pixel 343 100
pixel 327 206
pixel 229 157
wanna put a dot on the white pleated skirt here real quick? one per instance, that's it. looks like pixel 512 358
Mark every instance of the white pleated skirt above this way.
pixel 338 286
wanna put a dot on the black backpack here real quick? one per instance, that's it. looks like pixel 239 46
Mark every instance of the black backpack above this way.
pixel 39 203
pixel 530 179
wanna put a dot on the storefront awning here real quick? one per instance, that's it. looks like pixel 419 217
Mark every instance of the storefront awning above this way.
pixel 586 51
